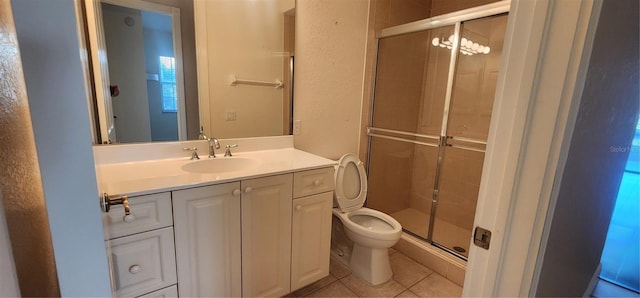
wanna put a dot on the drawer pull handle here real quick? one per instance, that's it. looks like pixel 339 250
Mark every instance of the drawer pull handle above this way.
pixel 129 218
pixel 316 182
pixel 134 269
pixel 106 201
pixel 248 189
pixel 236 192
pixel 298 208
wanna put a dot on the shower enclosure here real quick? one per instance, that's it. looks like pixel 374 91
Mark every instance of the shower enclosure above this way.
pixel 432 105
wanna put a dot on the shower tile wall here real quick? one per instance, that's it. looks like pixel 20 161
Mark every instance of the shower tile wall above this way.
pixel 400 81
pixel 389 185
pixel 388 13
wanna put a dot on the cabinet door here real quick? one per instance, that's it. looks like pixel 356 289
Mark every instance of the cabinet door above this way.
pixel 207 233
pixel 311 239
pixel 266 236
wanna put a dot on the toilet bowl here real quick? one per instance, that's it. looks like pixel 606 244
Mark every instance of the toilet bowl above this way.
pixel 371 231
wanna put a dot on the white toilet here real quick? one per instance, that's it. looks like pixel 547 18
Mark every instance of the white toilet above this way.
pixel 372 232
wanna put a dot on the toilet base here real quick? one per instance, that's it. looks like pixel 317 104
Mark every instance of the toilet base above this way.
pixel 371 264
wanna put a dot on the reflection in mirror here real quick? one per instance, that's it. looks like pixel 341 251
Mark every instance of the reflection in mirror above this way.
pixel 147 87
pixel 146 101
pixel 251 40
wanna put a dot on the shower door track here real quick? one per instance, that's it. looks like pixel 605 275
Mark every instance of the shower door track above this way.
pixel 478 12
pixel 456 19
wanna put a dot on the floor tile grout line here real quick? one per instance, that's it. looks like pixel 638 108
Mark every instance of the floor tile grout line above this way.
pixel 415 283
pixel 407 289
pixel 350 289
pixel 320 288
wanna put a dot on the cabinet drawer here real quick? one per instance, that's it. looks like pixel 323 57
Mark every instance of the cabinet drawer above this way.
pixel 312 182
pixel 151 212
pixel 143 263
pixel 171 291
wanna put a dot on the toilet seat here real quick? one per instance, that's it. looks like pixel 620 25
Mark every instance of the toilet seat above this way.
pixel 351 183
pixel 389 232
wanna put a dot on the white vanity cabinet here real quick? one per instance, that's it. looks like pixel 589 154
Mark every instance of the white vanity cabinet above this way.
pixel 259 237
pixel 207 233
pixel 266 236
pixel 142 249
pixel 311 226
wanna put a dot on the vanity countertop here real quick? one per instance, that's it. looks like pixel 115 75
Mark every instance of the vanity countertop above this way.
pixel 152 176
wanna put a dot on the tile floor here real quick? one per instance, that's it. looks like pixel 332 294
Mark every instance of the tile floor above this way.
pixel 410 279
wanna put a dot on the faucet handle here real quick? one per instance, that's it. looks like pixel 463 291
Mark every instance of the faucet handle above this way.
pixel 228 152
pixel 194 152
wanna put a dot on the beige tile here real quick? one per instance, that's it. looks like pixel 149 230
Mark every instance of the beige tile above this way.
pixel 336 289
pixel 392 251
pixel 433 262
pixel 456 274
pixel 436 286
pixel 364 289
pixel 313 287
pixel 407 293
pixel 422 256
pixel 337 269
pixel 406 271
pixel 408 249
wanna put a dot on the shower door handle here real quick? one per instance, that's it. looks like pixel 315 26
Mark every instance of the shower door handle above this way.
pixel 482 237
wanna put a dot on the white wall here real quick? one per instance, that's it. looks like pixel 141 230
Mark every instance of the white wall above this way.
pixel 125 54
pixel 329 74
pixel 49 45
pixel 244 38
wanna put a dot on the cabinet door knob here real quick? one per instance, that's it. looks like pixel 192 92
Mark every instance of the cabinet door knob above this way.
pixel 298 208
pixel 316 182
pixel 236 192
pixel 135 269
pixel 248 189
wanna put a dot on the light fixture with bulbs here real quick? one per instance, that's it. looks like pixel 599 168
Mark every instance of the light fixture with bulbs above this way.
pixel 467 46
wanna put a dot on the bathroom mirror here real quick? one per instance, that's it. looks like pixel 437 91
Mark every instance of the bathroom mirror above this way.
pixel 162 70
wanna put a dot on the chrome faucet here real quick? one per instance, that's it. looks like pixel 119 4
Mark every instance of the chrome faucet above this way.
pixel 202 136
pixel 213 144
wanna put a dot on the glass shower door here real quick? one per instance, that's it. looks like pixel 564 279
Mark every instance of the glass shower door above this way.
pixel 467 128
pixel 431 116
pixel 410 91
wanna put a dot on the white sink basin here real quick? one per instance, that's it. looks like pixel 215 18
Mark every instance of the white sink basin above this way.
pixel 218 165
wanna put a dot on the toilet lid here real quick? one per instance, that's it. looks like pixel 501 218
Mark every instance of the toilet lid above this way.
pixel 351 183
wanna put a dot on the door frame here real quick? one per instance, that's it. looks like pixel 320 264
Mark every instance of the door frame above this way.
pixel 547 46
